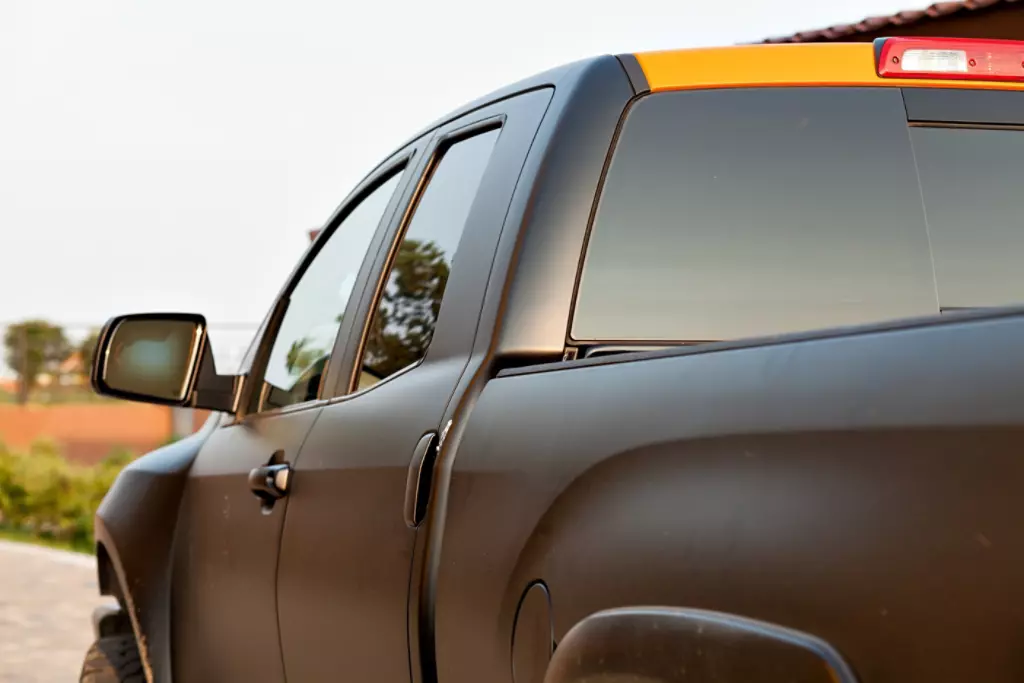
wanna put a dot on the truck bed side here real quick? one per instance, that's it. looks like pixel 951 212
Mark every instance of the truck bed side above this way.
pixel 861 485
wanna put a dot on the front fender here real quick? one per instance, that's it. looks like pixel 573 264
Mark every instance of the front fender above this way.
pixel 134 529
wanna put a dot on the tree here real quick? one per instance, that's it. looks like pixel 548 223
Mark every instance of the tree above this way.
pixel 300 356
pixel 34 347
pixel 86 351
pixel 405 319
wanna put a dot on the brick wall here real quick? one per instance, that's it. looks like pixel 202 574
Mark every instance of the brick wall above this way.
pixel 87 432
pixel 198 418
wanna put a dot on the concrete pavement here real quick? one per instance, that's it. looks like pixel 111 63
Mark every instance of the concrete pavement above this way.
pixel 46 602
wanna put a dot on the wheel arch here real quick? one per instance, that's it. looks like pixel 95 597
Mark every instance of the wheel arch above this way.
pixel 106 574
pixel 673 644
pixel 134 530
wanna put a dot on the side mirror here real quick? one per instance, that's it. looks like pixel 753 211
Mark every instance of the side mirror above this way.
pixel 162 358
pixel 673 645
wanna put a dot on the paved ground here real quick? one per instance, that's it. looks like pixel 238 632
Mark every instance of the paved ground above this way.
pixel 46 602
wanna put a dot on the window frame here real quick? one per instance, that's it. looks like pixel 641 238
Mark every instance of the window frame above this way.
pixel 439 147
pixel 406 161
pixel 520 116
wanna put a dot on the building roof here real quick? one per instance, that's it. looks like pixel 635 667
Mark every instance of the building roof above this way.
pixel 881 23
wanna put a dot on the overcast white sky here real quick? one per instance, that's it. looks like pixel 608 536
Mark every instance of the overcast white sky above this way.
pixel 172 155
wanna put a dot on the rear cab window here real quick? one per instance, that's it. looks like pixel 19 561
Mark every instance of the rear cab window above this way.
pixel 745 212
pixel 970 179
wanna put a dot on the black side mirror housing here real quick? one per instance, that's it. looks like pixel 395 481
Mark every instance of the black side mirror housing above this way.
pixel 162 358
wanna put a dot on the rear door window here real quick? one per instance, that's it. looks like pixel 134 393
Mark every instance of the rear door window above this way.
pixel 745 212
pixel 403 324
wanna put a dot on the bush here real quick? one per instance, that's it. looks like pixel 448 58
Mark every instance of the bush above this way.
pixel 43 494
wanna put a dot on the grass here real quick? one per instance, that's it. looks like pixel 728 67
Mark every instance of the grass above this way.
pixel 7 534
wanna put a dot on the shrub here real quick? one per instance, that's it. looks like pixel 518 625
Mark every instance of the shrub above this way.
pixel 43 494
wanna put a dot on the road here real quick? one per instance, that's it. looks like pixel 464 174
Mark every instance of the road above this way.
pixel 46 602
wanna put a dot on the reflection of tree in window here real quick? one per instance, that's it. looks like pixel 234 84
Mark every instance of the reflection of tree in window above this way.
pixel 403 323
pixel 300 356
pixel 308 331
pixel 306 364
pixel 405 319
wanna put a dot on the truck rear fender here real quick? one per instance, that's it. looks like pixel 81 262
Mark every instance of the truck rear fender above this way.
pixel 674 645
pixel 862 486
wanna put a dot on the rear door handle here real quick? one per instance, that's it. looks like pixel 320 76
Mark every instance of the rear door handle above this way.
pixel 270 483
pixel 417 485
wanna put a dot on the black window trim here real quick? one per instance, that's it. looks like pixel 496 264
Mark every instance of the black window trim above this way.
pixel 440 147
pixel 963 107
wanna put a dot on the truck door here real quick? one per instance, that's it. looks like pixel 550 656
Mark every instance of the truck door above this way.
pixel 346 551
pixel 224 609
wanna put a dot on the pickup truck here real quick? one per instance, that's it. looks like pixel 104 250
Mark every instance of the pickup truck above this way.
pixel 689 365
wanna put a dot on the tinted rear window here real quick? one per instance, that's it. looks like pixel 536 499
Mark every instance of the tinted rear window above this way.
pixel 975 207
pixel 733 213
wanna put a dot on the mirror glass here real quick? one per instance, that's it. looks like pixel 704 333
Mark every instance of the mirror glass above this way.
pixel 151 357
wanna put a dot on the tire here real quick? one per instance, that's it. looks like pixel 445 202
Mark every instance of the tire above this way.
pixel 114 659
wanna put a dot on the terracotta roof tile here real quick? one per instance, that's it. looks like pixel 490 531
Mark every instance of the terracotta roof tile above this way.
pixel 876 24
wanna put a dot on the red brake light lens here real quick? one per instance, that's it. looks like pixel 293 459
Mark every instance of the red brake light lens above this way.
pixel 950 58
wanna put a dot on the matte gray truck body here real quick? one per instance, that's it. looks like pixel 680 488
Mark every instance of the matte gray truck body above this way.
pixel 452 521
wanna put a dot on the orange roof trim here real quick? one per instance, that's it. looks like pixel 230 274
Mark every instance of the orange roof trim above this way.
pixel 799 64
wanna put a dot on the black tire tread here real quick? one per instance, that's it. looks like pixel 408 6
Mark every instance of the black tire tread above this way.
pixel 114 659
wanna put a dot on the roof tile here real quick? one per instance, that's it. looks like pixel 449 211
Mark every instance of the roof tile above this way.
pixel 875 24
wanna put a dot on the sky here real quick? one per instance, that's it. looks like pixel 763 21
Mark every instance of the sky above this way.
pixel 173 155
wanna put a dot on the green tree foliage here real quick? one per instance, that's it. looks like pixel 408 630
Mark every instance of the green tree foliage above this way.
pixel 43 494
pixel 407 314
pixel 34 347
pixel 301 356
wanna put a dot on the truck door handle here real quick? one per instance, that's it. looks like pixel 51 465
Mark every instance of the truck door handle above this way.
pixel 270 483
pixel 417 485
